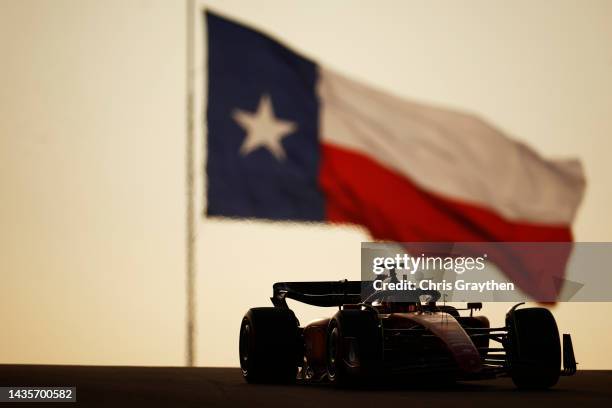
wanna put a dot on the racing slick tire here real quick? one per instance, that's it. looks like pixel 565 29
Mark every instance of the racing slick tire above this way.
pixel 534 348
pixel 354 347
pixel 269 345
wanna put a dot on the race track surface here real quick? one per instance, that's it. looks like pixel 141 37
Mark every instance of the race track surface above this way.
pixel 224 387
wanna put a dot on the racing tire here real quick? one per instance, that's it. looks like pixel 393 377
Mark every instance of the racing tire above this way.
pixel 354 347
pixel 534 351
pixel 269 345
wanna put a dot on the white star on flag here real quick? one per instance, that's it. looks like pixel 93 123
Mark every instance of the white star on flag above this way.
pixel 263 128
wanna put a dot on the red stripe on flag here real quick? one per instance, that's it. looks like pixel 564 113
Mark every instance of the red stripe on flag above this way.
pixel 359 190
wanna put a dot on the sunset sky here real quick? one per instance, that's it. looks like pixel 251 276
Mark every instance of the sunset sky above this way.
pixel 92 158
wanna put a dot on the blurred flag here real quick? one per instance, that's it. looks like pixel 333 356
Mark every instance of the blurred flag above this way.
pixel 291 140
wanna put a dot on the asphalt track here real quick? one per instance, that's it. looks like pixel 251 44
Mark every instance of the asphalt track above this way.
pixel 224 387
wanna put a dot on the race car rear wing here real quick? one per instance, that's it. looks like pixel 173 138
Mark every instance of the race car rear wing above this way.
pixel 323 293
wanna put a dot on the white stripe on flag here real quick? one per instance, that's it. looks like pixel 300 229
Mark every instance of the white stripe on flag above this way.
pixel 453 154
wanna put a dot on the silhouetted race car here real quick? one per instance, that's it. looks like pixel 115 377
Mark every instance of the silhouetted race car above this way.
pixel 376 339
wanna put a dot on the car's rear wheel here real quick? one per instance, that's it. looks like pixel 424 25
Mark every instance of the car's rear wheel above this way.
pixel 353 346
pixel 269 345
pixel 534 348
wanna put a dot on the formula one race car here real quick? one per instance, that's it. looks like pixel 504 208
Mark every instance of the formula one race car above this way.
pixel 376 338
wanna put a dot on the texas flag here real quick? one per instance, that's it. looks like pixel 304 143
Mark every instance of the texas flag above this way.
pixel 289 139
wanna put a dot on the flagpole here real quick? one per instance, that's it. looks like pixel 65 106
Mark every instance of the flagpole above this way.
pixel 190 351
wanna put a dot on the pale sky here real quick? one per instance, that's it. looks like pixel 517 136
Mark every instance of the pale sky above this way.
pixel 92 158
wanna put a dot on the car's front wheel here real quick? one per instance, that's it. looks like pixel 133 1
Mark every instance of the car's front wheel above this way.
pixel 534 349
